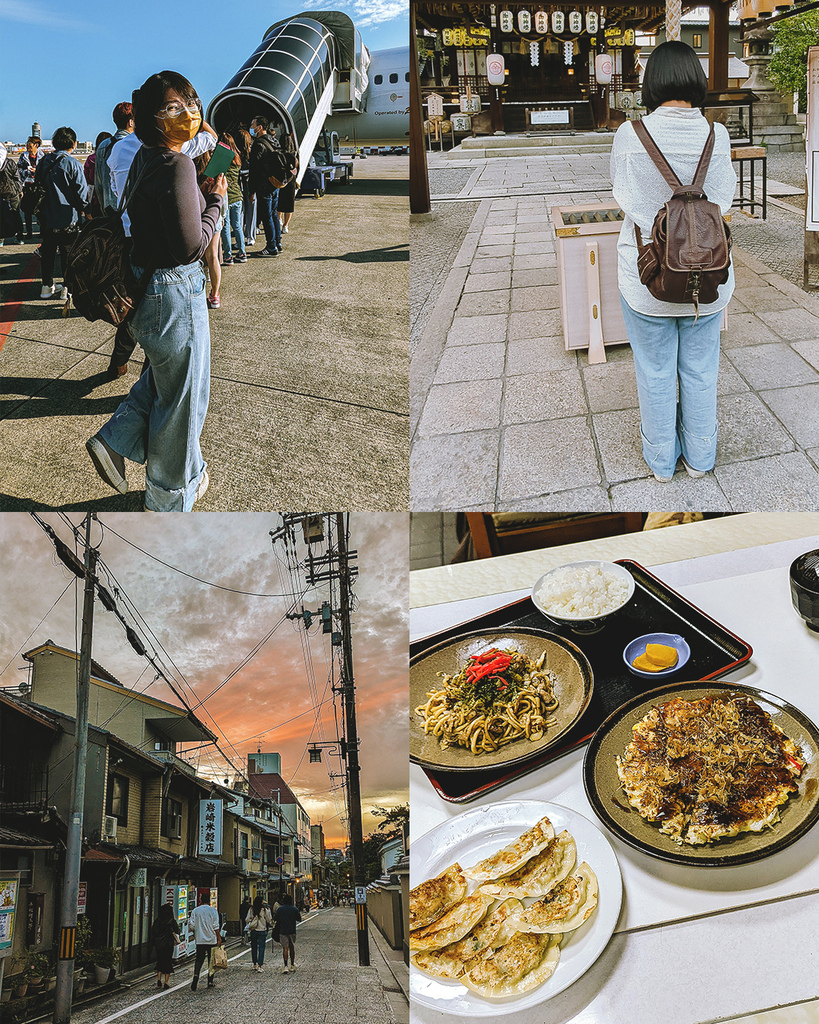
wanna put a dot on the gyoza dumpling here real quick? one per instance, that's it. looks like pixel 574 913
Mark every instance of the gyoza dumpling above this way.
pixel 453 960
pixel 565 908
pixel 523 963
pixel 511 857
pixel 538 875
pixel 455 923
pixel 431 900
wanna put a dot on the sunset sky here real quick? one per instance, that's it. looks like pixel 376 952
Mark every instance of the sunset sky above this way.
pixel 208 632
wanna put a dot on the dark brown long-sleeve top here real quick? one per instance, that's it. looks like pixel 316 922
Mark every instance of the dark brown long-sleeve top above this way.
pixel 171 221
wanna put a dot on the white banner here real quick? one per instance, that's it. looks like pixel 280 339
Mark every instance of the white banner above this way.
pixel 210 828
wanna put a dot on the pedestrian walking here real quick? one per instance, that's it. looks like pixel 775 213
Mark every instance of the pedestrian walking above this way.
pixel 204 923
pixel 235 211
pixel 243 909
pixel 160 421
pixel 671 342
pixel 165 935
pixel 258 919
pixel 265 160
pixel 287 195
pixel 67 195
pixel 286 916
pixel 27 164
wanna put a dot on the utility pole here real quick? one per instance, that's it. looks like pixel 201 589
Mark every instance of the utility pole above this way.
pixel 353 768
pixel 73 853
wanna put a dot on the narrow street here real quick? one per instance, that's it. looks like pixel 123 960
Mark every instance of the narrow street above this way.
pixel 327 987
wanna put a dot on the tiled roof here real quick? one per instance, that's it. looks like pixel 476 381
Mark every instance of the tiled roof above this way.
pixel 10 837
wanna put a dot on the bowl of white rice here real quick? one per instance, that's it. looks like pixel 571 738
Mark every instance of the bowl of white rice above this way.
pixel 583 594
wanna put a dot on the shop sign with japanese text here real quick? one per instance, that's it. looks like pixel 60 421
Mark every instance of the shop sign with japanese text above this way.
pixel 210 828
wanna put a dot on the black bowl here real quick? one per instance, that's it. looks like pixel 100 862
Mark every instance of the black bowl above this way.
pixel 805 587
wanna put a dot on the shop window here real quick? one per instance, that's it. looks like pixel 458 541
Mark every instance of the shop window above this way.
pixel 14 860
pixel 697 44
pixel 117 802
pixel 393 79
pixel 378 79
pixel 171 824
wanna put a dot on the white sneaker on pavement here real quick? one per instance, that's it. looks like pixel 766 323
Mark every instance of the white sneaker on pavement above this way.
pixel 47 291
pixel 286 970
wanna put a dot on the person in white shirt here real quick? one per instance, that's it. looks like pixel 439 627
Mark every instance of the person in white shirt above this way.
pixel 668 341
pixel 204 923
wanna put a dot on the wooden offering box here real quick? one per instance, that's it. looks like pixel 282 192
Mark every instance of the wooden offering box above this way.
pixel 586 245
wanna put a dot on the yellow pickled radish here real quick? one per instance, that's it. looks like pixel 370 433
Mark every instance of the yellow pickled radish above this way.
pixel 644 664
pixel 661 655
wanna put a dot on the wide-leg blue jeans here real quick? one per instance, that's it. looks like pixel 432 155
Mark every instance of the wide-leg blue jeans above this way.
pixel 234 218
pixel 668 349
pixel 269 209
pixel 160 420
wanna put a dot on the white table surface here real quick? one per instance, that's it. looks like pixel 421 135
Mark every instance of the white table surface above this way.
pixel 684 966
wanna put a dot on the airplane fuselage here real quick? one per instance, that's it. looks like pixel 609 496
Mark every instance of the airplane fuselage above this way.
pixel 385 121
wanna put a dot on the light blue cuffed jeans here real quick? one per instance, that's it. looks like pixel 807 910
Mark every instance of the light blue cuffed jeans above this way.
pixel 161 418
pixel 667 349
pixel 234 217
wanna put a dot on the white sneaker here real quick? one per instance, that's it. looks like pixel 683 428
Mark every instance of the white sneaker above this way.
pixel 47 291
pixel 286 970
pixel 695 474
pixel 286 229
pixel 663 479
pixel 204 482
pixel 64 294
pixel 292 967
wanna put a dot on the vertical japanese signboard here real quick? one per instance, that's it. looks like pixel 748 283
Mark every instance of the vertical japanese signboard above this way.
pixel 210 828
pixel 812 140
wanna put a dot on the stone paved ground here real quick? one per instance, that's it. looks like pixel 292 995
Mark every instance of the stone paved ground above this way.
pixel 503 418
pixel 328 986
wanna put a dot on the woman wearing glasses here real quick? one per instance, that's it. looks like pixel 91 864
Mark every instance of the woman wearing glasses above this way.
pixel 172 222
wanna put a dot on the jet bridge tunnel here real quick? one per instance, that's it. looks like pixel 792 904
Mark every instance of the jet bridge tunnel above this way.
pixel 305 68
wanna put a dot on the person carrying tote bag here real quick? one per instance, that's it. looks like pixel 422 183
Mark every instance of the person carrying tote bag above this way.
pixel 673 343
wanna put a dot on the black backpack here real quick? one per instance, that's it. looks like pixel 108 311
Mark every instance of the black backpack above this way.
pixel 98 274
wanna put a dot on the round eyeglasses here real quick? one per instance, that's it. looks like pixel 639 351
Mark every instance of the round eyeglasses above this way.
pixel 177 109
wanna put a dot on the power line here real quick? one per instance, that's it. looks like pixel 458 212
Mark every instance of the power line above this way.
pixel 207 583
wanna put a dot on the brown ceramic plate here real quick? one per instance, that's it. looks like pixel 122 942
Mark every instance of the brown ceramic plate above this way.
pixel 567 664
pixel 612 807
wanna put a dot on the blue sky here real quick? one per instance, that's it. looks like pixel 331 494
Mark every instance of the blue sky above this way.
pixel 69 64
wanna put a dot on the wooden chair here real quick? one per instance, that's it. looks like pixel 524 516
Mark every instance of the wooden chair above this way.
pixel 504 533
pixel 750 154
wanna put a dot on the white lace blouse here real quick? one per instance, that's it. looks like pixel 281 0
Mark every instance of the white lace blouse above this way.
pixel 680 134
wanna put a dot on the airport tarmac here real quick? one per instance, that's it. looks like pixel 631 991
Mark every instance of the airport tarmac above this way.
pixel 309 369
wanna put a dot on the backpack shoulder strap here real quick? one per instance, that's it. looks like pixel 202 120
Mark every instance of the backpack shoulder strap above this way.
pixel 705 160
pixel 653 151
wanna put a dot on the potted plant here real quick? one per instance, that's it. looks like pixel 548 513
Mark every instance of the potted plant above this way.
pixel 37 967
pixel 103 960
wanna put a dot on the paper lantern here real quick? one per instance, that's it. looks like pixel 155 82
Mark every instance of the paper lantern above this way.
pixel 507 21
pixel 541 22
pixel 495 67
pixel 524 22
pixel 602 68
pixel 591 22
pixel 575 22
pixel 558 22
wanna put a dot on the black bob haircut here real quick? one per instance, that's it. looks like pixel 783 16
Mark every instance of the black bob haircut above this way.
pixel 674 72
pixel 149 99
pixel 64 138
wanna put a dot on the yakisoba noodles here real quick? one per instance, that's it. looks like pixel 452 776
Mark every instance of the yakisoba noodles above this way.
pixel 496 698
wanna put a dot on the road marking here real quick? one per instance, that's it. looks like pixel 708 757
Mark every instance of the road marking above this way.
pixel 10 309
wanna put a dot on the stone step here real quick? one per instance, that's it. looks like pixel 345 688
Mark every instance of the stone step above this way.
pixel 575 140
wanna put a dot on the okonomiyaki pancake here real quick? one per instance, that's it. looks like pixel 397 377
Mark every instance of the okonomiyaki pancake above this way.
pixel 515 855
pixel 565 908
pixel 523 963
pixel 455 923
pixel 538 875
pixel 710 768
pixel 431 900
pixel 451 961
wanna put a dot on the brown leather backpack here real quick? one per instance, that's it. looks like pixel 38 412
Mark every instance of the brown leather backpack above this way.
pixel 689 254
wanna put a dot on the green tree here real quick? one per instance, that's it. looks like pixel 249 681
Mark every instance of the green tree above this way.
pixel 792 37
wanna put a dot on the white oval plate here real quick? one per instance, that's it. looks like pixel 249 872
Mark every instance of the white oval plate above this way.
pixel 476 834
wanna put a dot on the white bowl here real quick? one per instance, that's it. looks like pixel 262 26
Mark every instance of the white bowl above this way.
pixel 584 624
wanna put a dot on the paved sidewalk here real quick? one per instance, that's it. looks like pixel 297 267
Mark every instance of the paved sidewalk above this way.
pixel 504 419
pixel 327 987
pixel 309 370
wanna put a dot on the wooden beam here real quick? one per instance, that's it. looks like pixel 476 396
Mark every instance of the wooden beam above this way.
pixel 419 179
pixel 718 46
